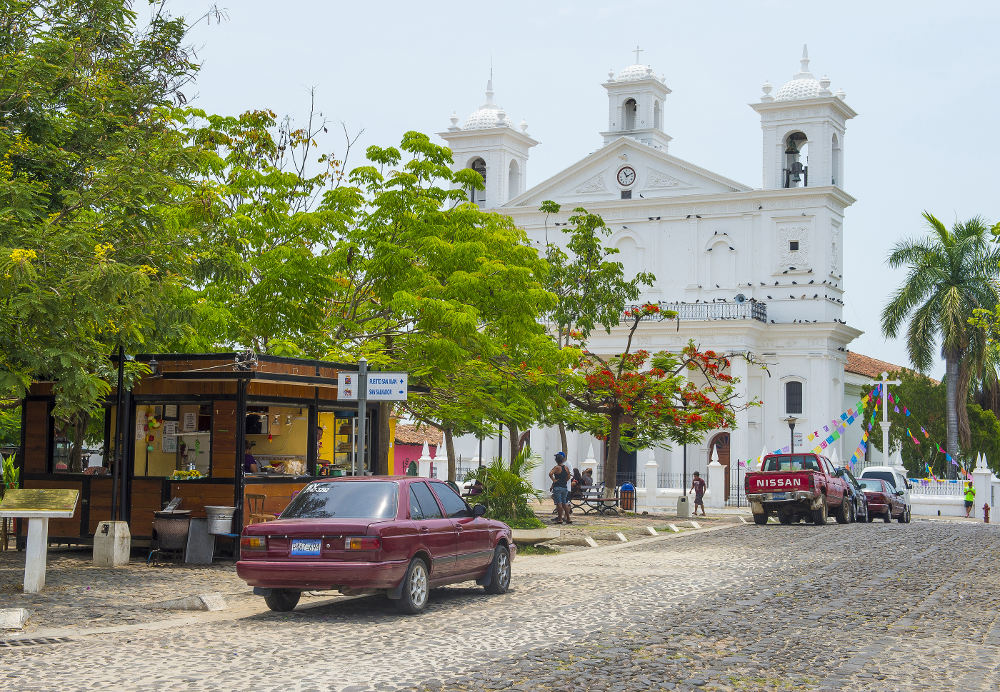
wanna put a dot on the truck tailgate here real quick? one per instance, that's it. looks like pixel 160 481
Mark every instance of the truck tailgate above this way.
pixel 778 481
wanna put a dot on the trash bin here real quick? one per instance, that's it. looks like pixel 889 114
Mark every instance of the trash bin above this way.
pixel 626 497
pixel 220 518
pixel 683 506
pixel 170 528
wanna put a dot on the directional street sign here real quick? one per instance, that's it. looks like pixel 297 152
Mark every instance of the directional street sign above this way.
pixel 382 386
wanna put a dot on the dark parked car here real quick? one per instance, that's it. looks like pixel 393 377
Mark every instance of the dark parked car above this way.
pixel 857 494
pixel 885 501
pixel 399 535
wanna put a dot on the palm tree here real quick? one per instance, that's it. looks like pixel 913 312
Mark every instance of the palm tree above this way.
pixel 950 274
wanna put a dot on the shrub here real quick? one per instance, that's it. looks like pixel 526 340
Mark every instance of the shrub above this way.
pixel 506 490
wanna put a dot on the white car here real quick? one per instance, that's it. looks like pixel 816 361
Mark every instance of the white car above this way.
pixel 893 477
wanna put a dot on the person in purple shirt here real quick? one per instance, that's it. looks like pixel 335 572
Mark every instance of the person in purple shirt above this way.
pixel 249 463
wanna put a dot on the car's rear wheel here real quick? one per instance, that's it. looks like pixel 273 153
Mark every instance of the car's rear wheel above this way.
pixel 819 515
pixel 499 571
pixel 282 600
pixel 416 588
pixel 760 519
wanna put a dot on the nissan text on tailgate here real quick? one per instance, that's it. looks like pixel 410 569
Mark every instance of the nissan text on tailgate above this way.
pixel 797 486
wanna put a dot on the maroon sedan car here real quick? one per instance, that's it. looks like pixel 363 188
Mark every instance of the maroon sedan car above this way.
pixel 883 500
pixel 394 534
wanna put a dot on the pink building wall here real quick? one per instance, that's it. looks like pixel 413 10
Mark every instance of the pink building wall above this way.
pixel 403 454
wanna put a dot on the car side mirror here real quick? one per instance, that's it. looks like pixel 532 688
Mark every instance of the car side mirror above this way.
pixel 479 510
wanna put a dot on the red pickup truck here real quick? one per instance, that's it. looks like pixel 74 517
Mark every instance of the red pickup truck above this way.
pixel 797 486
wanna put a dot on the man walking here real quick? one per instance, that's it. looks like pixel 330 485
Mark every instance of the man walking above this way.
pixel 698 487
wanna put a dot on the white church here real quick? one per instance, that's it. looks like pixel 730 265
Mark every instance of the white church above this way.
pixel 747 269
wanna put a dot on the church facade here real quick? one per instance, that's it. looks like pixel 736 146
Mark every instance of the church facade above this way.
pixel 747 269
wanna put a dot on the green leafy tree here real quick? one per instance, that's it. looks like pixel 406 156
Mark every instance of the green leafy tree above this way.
pixel 950 275
pixel 926 401
pixel 95 172
pixel 423 282
pixel 591 288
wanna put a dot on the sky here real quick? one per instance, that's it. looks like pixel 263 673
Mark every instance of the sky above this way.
pixel 922 76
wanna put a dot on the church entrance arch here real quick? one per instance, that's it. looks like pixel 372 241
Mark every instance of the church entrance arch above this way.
pixel 721 443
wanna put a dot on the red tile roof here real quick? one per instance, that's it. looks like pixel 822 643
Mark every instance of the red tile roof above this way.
pixel 411 435
pixel 873 367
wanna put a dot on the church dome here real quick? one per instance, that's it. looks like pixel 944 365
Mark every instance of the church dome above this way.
pixel 634 73
pixel 488 115
pixel 807 88
pixel 803 85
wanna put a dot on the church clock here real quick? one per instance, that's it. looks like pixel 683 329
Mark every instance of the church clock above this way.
pixel 626 176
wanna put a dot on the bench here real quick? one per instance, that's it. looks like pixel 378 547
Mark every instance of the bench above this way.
pixel 591 499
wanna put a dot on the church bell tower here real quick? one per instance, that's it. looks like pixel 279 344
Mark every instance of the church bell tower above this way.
pixel 636 100
pixel 488 144
pixel 804 125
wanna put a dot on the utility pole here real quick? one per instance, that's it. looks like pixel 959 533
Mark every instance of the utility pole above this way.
pixel 362 416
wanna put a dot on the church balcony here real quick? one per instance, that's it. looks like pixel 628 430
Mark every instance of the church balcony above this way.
pixel 747 310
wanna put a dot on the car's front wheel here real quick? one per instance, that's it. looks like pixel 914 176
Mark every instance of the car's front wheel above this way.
pixel 499 571
pixel 282 600
pixel 416 588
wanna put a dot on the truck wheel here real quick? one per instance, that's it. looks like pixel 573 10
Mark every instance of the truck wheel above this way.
pixel 842 516
pixel 785 517
pixel 760 519
pixel 819 515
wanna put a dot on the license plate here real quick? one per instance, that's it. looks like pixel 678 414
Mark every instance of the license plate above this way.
pixel 305 546
pixel 779 496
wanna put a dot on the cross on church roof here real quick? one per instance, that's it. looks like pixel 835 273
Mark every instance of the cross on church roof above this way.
pixel 637 51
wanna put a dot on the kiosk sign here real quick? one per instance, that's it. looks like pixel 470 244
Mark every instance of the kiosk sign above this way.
pixel 382 386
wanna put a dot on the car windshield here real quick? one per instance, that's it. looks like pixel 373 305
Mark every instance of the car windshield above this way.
pixel 871 484
pixel 344 500
pixel 791 462
pixel 884 475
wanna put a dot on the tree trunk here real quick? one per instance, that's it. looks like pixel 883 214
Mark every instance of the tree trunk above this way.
pixel 79 426
pixel 951 389
pixel 562 438
pixel 962 407
pixel 513 432
pixel 449 445
pixel 611 461
pixel 382 459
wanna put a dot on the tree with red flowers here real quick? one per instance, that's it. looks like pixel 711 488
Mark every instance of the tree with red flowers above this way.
pixel 638 399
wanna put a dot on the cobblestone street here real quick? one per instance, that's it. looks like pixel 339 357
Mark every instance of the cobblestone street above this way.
pixel 864 607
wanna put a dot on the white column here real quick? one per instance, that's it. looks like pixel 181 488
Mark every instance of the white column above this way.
pixel 982 481
pixel 715 497
pixel 35 554
pixel 651 470
pixel 739 442
pixel 590 463
pixel 424 462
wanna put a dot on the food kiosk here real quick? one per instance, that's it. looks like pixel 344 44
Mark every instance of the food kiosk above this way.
pixel 188 426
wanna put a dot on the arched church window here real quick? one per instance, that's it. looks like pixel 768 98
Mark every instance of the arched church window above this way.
pixel 793 397
pixel 631 108
pixel 513 181
pixel 835 160
pixel 796 160
pixel 657 123
pixel 478 196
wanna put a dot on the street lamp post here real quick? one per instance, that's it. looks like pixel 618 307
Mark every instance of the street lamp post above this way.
pixel 791 432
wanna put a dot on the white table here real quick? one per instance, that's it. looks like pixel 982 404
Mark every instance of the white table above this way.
pixel 36 551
